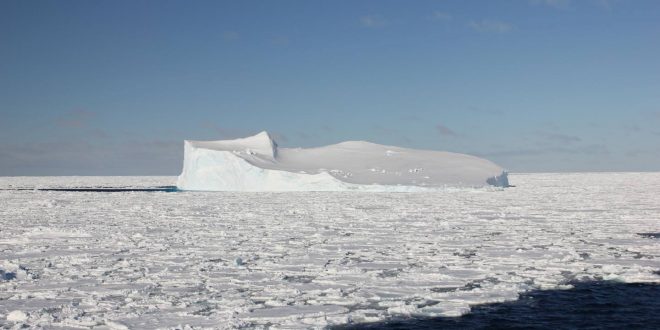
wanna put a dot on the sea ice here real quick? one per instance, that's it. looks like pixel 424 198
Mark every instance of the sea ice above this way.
pixel 17 316
pixel 154 260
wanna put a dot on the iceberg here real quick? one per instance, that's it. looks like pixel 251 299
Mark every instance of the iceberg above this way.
pixel 256 163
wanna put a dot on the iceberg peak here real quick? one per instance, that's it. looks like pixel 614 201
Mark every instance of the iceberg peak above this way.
pixel 261 144
pixel 264 136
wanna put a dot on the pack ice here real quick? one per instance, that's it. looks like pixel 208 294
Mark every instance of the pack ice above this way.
pixel 256 163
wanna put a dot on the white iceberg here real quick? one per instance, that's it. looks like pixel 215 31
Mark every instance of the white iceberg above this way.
pixel 256 163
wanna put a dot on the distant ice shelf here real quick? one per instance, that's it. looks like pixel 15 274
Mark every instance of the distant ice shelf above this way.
pixel 256 163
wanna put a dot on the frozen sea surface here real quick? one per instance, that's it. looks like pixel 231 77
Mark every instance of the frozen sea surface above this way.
pixel 158 259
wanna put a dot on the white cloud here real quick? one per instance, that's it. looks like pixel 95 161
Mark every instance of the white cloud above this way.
pixel 490 26
pixel 373 21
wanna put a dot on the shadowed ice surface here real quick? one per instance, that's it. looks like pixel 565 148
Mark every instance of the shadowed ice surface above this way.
pixel 589 305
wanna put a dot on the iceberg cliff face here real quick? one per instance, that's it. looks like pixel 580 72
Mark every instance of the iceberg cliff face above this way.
pixel 256 163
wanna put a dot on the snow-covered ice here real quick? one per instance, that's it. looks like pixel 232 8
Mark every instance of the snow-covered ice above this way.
pixel 310 259
pixel 16 316
pixel 256 163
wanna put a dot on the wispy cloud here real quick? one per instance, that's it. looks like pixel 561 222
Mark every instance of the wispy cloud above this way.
pixel 445 131
pixel 78 118
pixel 640 152
pixel 567 4
pixel 441 16
pixel 304 135
pixel 373 21
pixel 78 157
pixel 280 40
pixel 230 35
pixel 391 133
pixel 384 130
pixel 490 26
pixel 560 137
pixel 479 110
pixel 557 4
pixel 631 128
pixel 593 149
pixel 221 132
pixel 605 4
pixel 410 117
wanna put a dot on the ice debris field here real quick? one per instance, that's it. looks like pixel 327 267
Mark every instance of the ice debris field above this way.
pixel 156 259
pixel 257 163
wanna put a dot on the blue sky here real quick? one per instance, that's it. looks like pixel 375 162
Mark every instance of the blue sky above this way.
pixel 114 87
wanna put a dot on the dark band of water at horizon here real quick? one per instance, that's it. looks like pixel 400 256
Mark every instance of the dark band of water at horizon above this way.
pixel 105 189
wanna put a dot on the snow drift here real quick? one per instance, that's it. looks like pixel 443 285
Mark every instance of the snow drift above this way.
pixel 256 163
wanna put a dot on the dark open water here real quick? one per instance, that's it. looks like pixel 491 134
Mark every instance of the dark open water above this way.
pixel 590 305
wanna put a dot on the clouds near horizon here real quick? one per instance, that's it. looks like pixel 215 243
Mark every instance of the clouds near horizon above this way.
pixel 115 87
